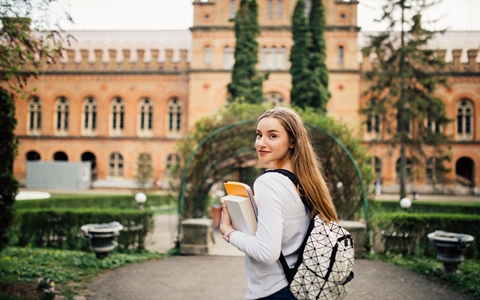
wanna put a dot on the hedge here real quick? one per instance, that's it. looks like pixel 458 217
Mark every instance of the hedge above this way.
pixel 406 233
pixel 91 201
pixel 429 207
pixel 60 228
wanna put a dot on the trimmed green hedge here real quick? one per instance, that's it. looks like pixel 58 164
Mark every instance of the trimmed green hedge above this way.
pixel 60 228
pixel 429 207
pixel 91 201
pixel 406 233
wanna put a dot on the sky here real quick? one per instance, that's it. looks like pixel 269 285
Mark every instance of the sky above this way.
pixel 178 14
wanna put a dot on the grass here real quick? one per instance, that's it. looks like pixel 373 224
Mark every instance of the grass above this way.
pixel 72 271
pixel 466 280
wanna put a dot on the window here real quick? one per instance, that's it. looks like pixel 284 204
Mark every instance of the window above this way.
pixel 60 156
pixel 340 56
pixel 274 58
pixel 89 120
pixel 115 165
pixel 283 58
pixel 433 126
pixel 32 156
pixel 273 98
pixel 279 9
pixel 34 119
pixel 264 58
pixel 174 116
pixel 208 55
pixel 465 120
pixel 117 117
pixel 308 5
pixel 373 123
pixel 406 121
pixel 232 9
pixel 145 118
pixel 376 165
pixel 144 167
pixel 434 170
pixel 227 53
pixel 61 116
pixel 408 169
pixel 172 160
pixel 270 9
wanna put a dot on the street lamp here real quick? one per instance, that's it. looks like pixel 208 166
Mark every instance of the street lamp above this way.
pixel 405 203
pixel 140 198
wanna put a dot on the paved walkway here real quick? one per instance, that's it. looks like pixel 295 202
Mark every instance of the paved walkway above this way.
pixel 221 275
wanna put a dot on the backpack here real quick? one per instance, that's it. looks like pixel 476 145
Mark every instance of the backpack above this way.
pixel 324 267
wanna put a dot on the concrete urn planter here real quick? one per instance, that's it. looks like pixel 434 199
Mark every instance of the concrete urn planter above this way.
pixel 102 237
pixel 450 247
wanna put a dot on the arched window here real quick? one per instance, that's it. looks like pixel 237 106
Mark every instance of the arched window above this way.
pixel 174 116
pixel 269 9
pixel 89 120
pixel 433 126
pixel 408 169
pixel 32 156
pixel 227 53
pixel 264 58
pixel 61 116
pixel 273 98
pixel 373 124
pixel 283 58
pixel 115 165
pixel 465 171
pixel 145 167
pixel 273 52
pixel 232 9
pixel 465 120
pixel 208 55
pixel 117 117
pixel 90 157
pixel 60 156
pixel 34 119
pixel 172 160
pixel 434 170
pixel 376 165
pixel 279 9
pixel 340 56
pixel 145 118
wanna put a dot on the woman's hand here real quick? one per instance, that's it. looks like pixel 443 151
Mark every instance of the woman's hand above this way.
pixel 225 222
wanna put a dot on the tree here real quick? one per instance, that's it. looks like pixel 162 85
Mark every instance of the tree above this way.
pixel 301 93
pixel 402 85
pixel 246 85
pixel 25 43
pixel 317 66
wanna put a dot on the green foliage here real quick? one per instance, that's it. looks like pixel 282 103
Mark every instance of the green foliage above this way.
pixel 402 84
pixel 60 228
pixel 416 227
pixel 318 54
pixel 8 151
pixel 232 149
pixel 465 281
pixel 429 207
pixel 301 93
pixel 62 266
pixel 246 85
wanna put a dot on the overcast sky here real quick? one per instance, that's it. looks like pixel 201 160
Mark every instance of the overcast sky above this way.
pixel 178 14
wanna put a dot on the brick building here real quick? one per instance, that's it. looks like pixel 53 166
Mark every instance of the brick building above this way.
pixel 117 94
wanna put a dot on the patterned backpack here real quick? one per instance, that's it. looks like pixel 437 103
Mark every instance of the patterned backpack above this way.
pixel 324 267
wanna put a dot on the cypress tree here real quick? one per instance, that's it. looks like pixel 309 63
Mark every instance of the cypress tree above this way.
pixel 246 84
pixel 317 66
pixel 8 150
pixel 300 93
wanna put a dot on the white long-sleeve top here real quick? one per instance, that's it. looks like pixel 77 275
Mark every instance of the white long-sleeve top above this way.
pixel 282 225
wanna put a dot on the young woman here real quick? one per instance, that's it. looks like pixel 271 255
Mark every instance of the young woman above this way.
pixel 283 141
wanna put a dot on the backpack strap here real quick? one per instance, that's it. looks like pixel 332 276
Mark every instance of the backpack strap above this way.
pixel 290 272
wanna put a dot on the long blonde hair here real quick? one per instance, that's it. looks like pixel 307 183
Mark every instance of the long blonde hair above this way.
pixel 305 163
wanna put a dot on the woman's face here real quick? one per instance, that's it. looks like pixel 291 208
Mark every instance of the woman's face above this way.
pixel 272 141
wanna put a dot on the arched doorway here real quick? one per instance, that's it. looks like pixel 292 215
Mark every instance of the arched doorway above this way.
pixel 464 171
pixel 60 156
pixel 32 156
pixel 90 157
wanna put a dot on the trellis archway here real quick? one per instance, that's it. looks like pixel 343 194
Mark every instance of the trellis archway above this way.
pixel 228 147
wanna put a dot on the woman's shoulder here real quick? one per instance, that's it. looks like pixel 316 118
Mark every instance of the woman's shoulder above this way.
pixel 272 178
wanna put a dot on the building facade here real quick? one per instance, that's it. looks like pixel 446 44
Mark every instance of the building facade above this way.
pixel 120 99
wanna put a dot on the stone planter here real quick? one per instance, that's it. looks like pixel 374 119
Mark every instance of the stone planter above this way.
pixel 102 237
pixel 450 247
